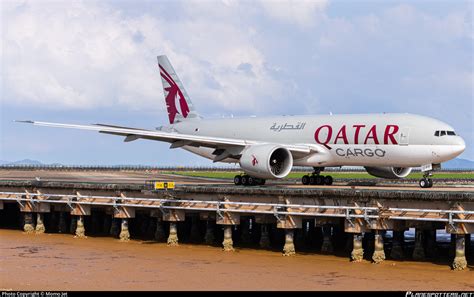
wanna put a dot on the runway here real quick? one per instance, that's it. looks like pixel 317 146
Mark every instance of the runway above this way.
pixel 140 177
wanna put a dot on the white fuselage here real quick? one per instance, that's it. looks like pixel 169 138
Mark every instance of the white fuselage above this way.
pixel 401 140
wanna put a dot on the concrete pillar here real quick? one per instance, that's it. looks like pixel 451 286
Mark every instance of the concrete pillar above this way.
pixel 264 237
pixel 397 245
pixel 28 224
pixel 379 255
pixel 173 236
pixel 124 233
pixel 62 228
pixel 195 235
pixel 419 251
pixel 73 225
pixel 327 246
pixel 289 247
pixel 245 231
pixel 357 254
pixel 228 243
pixel 115 227
pixel 39 224
pixel 460 262
pixel 80 230
pixel 159 231
pixel 209 238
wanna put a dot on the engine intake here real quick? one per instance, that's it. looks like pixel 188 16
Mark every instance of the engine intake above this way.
pixel 266 161
pixel 389 172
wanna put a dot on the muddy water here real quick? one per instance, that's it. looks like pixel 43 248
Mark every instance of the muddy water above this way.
pixel 61 262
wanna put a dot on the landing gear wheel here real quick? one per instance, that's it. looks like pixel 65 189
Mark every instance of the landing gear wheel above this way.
pixel 251 181
pixel 430 183
pixel 312 180
pixel 328 180
pixel 319 180
pixel 238 180
pixel 424 183
pixel 305 180
pixel 245 180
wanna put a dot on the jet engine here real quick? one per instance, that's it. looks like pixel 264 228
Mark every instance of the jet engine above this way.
pixel 267 161
pixel 389 172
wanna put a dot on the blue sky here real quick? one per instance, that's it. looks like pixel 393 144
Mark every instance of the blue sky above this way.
pixel 95 62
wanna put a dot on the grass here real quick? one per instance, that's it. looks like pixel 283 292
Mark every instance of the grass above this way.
pixel 298 175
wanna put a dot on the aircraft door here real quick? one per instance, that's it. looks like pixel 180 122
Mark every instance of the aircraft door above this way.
pixel 404 136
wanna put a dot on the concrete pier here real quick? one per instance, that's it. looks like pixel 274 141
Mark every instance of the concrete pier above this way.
pixel 397 245
pixel 379 254
pixel 264 236
pixel 80 230
pixel 40 229
pixel 28 223
pixel 159 231
pixel 228 244
pixel 115 227
pixel 209 237
pixel 327 246
pixel 459 262
pixel 173 236
pixel 357 254
pixel 418 251
pixel 124 233
pixel 62 226
pixel 289 247
pixel 73 225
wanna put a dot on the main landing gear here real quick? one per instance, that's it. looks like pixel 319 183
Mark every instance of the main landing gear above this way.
pixel 426 181
pixel 316 179
pixel 247 180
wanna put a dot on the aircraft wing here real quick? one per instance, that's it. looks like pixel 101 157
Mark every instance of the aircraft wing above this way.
pixel 178 139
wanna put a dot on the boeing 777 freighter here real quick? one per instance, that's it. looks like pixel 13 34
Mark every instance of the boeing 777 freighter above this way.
pixel 387 145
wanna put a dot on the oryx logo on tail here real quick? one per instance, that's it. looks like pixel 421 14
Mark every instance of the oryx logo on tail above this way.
pixel 174 94
pixel 179 106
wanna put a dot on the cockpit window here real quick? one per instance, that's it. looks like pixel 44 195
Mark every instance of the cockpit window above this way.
pixel 443 133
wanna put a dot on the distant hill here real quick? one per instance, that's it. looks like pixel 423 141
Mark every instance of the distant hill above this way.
pixel 458 163
pixel 22 162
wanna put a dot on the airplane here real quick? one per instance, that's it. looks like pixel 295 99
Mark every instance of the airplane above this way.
pixel 387 145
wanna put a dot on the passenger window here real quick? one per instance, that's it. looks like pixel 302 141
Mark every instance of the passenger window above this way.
pixel 437 133
pixel 443 133
pixel 451 133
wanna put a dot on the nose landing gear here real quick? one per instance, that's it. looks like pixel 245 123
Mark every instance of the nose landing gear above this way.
pixel 316 179
pixel 426 181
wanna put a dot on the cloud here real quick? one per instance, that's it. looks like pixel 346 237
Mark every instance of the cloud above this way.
pixel 303 13
pixel 86 55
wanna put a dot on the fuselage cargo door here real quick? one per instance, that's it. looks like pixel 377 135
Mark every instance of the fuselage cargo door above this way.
pixel 404 136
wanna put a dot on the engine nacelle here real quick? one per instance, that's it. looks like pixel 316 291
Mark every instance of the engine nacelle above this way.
pixel 266 161
pixel 389 172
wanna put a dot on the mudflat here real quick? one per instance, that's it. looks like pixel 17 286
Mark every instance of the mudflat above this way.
pixel 61 262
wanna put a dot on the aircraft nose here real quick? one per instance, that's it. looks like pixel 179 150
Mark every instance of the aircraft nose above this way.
pixel 461 145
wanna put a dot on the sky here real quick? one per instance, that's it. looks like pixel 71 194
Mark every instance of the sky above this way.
pixel 95 62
